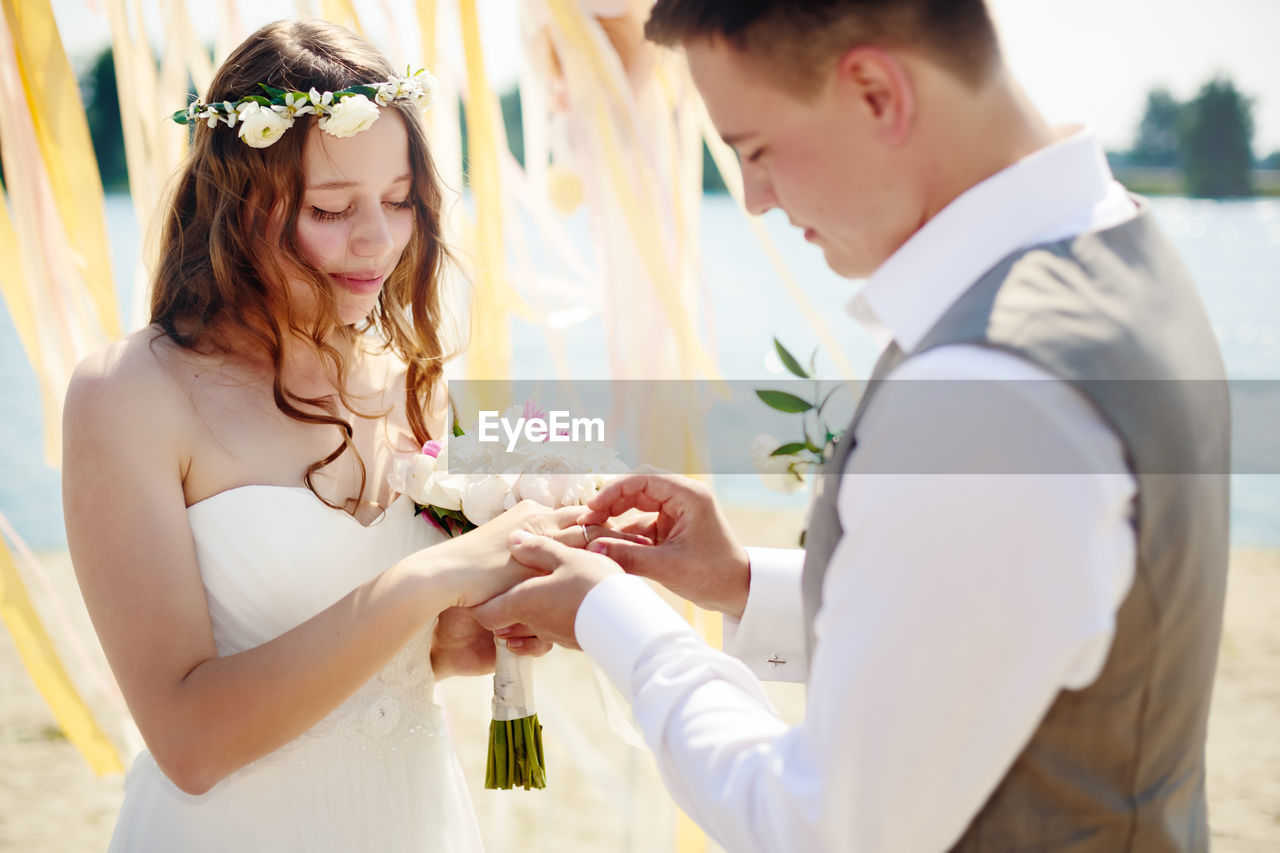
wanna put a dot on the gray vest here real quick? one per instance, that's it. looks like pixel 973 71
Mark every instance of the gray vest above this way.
pixel 1118 765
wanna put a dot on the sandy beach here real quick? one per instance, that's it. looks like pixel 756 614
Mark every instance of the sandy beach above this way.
pixel 604 794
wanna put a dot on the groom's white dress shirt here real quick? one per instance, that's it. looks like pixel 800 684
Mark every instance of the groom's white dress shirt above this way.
pixel 955 606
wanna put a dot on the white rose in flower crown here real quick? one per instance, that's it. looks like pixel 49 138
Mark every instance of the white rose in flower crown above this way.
pixel 351 115
pixel 430 86
pixel 260 127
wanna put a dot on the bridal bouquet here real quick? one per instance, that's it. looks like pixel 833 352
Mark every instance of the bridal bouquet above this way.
pixel 470 480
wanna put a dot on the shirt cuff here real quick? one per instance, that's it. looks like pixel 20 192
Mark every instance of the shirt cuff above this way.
pixel 619 618
pixel 770 638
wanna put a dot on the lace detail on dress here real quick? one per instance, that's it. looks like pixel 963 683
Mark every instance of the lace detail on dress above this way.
pixel 394 709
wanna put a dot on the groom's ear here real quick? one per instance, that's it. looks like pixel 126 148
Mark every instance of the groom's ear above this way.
pixel 874 82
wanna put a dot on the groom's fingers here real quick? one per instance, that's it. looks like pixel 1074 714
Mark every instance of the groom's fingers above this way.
pixel 513 608
pixel 644 524
pixel 633 557
pixel 501 611
pixel 645 492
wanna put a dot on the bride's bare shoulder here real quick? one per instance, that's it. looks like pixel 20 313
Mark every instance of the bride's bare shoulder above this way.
pixel 132 378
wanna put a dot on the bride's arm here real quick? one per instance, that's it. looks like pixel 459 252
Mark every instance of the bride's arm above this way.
pixel 204 716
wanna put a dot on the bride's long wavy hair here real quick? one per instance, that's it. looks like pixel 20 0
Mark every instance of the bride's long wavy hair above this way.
pixel 221 268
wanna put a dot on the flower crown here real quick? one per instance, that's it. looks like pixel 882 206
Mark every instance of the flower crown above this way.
pixel 264 119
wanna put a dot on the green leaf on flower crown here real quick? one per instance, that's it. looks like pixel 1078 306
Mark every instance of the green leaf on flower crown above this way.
pixel 367 91
pixel 257 99
pixel 783 402
pixel 272 91
pixel 792 449
pixel 180 117
pixel 789 361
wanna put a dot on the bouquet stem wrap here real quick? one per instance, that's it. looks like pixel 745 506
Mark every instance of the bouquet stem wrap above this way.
pixel 515 735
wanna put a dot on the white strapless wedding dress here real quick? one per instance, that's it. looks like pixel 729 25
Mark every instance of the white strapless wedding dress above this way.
pixel 378 774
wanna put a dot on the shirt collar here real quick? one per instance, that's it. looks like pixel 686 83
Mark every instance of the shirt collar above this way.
pixel 1039 195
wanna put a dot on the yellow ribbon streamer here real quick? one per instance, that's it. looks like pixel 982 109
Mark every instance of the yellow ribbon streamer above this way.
pixel 341 12
pixel 13 288
pixel 46 670
pixel 427 26
pixel 184 39
pixel 53 98
pixel 636 200
pixel 489 353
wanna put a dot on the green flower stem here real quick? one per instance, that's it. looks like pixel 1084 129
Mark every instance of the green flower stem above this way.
pixel 515 755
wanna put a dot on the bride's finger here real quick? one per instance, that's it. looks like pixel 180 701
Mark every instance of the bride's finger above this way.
pixel 522 641
pixel 557 519
pixel 529 646
pixel 582 535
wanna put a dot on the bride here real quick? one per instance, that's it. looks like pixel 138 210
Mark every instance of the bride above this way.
pixel 275 617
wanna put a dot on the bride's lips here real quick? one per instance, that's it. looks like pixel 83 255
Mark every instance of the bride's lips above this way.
pixel 361 284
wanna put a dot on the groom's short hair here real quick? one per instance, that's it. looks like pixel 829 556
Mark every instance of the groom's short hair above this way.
pixel 802 39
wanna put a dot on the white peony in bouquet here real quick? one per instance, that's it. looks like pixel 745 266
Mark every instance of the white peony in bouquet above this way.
pixel 463 483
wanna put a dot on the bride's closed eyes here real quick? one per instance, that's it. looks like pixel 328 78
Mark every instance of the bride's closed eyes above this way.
pixel 323 215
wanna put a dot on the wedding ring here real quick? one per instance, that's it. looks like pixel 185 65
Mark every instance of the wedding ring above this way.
pixel 585 535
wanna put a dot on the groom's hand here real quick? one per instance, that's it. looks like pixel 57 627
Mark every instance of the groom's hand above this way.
pixel 695 554
pixel 546 605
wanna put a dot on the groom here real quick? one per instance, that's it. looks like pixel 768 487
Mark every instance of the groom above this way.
pixel 1013 655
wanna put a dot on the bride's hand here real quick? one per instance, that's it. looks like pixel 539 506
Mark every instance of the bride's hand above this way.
pixel 478 564
pixel 462 646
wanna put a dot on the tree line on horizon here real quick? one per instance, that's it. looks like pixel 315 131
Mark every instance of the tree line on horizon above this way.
pixel 1207 140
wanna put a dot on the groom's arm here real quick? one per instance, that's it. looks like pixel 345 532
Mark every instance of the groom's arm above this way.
pixel 770 637
pixel 957 607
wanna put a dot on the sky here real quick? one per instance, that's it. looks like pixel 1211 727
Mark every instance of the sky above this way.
pixel 1089 61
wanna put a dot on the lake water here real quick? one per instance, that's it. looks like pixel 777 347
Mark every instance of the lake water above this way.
pixel 1232 248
